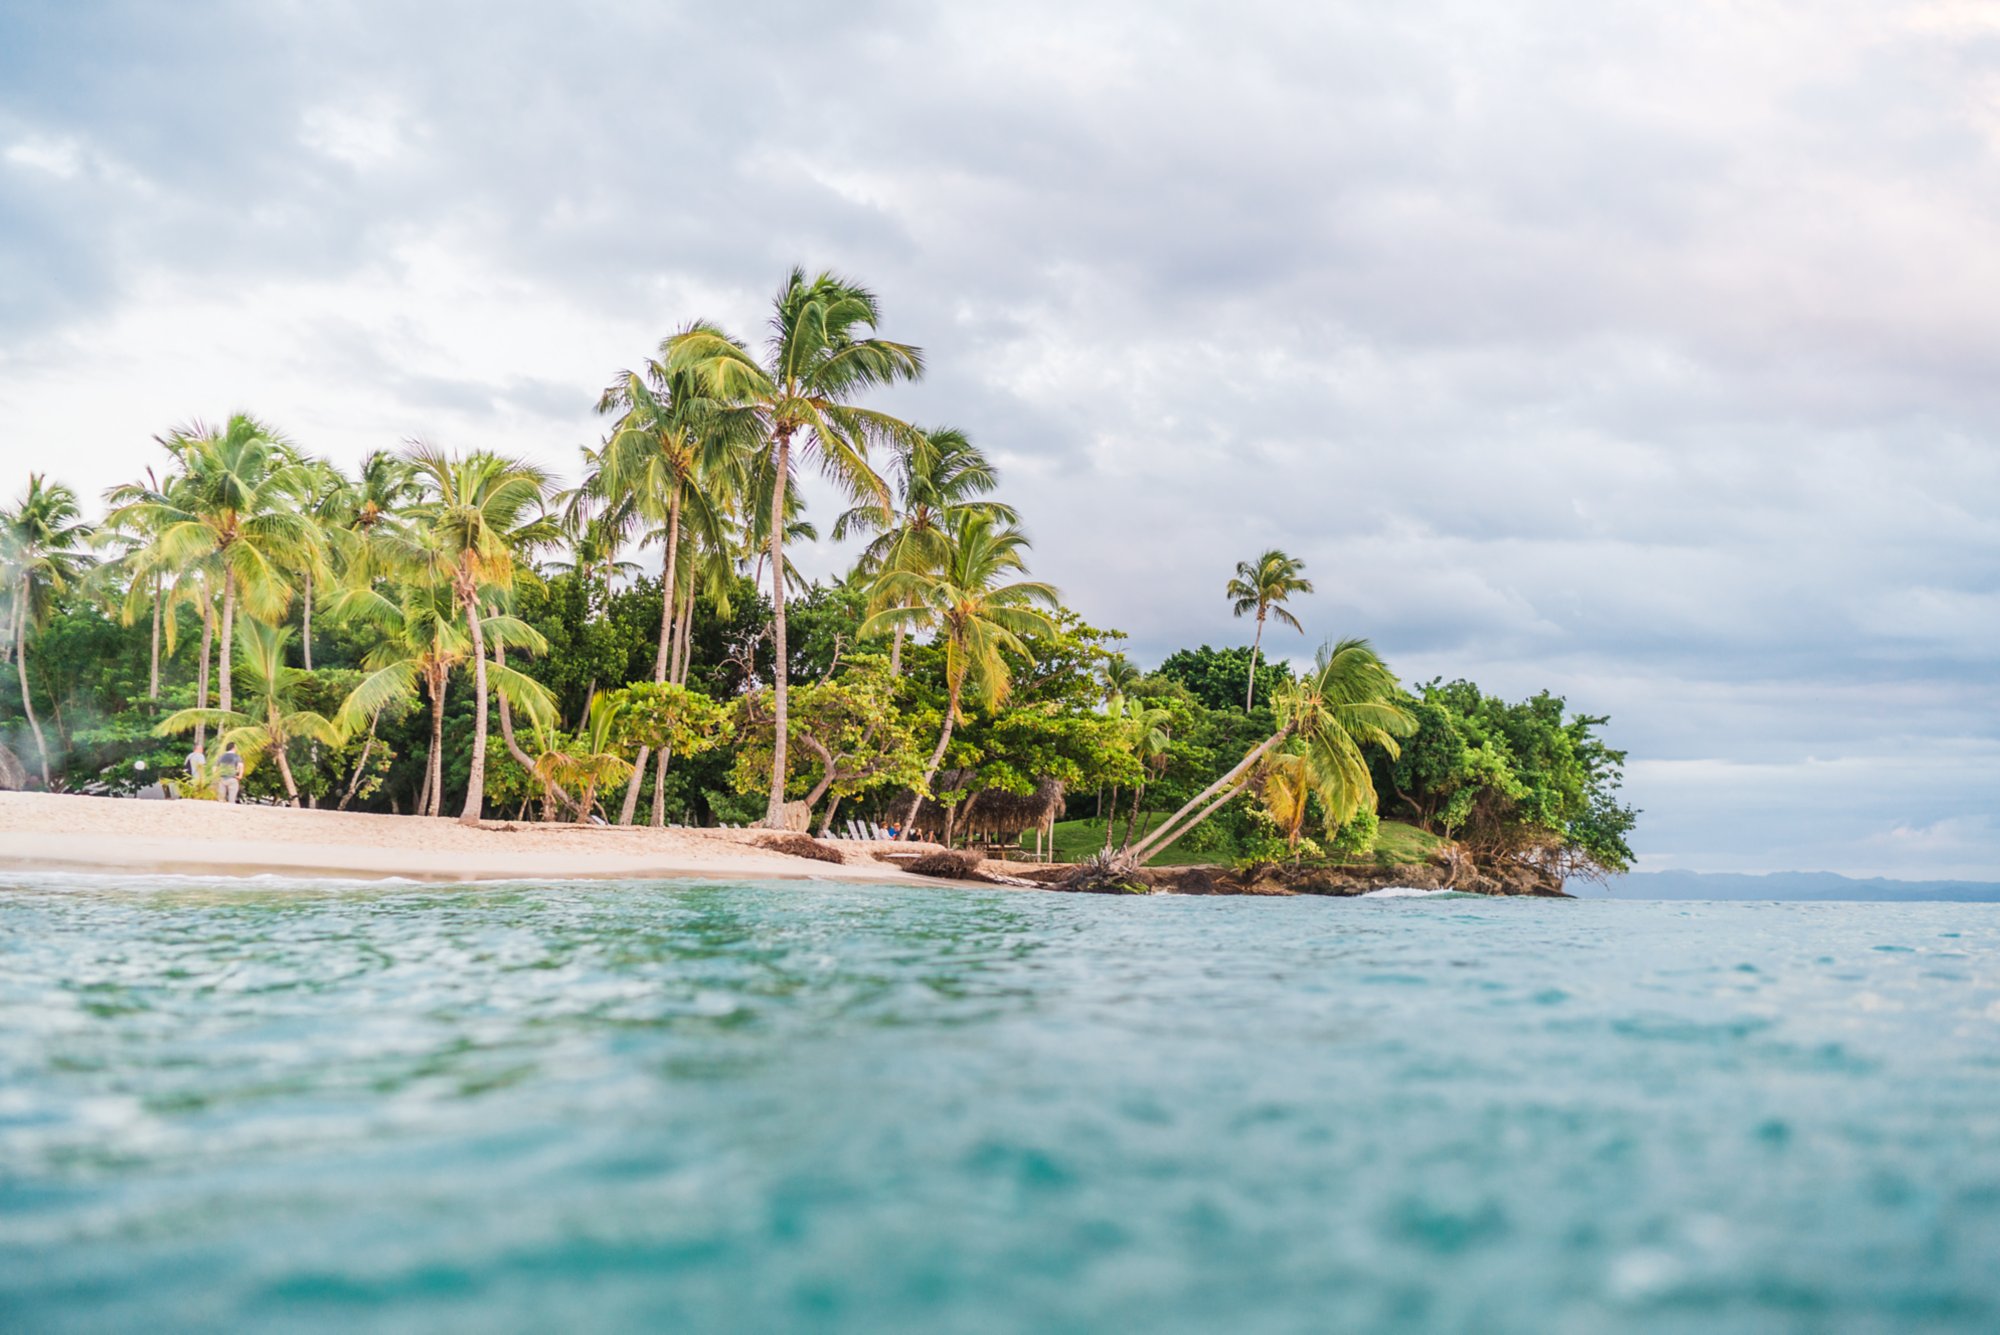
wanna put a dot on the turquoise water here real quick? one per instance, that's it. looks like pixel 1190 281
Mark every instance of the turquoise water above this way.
pixel 854 1108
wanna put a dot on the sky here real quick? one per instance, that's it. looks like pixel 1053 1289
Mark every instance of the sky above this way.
pixel 1643 352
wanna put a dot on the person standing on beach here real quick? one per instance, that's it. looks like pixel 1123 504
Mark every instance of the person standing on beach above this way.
pixel 229 766
pixel 197 761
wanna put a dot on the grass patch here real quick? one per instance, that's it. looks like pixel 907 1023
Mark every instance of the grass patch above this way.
pixel 1396 844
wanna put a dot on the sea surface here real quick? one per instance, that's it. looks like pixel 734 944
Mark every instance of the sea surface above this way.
pixel 820 1107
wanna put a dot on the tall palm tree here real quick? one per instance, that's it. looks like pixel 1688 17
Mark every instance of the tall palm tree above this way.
pixel 237 511
pixel 1262 586
pixel 1347 701
pixel 271 719
pixel 481 516
pixel 674 453
pixel 145 578
pixel 44 546
pixel 822 353
pixel 937 476
pixel 979 615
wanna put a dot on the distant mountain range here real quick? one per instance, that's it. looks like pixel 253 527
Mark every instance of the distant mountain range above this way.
pixel 1823 885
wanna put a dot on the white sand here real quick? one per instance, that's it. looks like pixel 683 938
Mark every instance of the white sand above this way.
pixel 58 832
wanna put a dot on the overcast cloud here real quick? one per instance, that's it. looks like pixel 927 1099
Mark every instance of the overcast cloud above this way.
pixel 1640 351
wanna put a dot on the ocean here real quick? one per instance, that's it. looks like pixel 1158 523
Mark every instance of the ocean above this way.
pixel 829 1107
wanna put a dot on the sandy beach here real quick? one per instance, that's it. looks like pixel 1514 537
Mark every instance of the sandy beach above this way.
pixel 58 832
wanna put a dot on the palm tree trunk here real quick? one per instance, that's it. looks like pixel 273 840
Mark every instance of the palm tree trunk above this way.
pixel 433 804
pixel 583 807
pixel 285 773
pixel 1147 846
pixel 684 649
pixel 207 647
pixel 521 758
pixel 1206 812
pixel 1133 817
pixel 475 783
pixel 1111 821
pixel 660 788
pixel 223 668
pixel 774 810
pixel 1250 691
pixel 896 652
pixel 937 756
pixel 21 663
pixel 360 766
pixel 153 672
pixel 306 634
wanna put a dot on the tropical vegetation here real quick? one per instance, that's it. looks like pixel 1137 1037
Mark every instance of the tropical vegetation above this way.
pixel 447 632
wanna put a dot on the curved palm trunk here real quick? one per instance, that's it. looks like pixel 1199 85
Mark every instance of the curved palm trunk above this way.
pixel 937 756
pixel 553 789
pixel 774 811
pixel 285 773
pixel 1235 780
pixel 1132 817
pixel 223 669
pixel 589 800
pixel 475 783
pixel 1250 691
pixel 668 620
pixel 683 649
pixel 21 662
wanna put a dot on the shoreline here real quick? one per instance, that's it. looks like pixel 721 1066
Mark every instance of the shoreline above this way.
pixel 59 832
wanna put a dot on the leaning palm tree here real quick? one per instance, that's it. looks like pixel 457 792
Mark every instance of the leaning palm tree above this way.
pixel 979 617
pixel 481 517
pixel 1262 586
pixel 271 719
pixel 44 546
pixel 1349 700
pixel 237 510
pixel 822 353
pixel 937 476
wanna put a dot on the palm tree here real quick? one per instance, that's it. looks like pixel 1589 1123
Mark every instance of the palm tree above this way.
pixel 1262 586
pixel 1149 731
pixel 145 579
pixel 979 617
pixel 421 640
pixel 236 510
pixel 937 476
pixel 673 453
pixel 591 759
pixel 43 542
pixel 1348 700
pixel 271 720
pixel 821 355
pixel 482 515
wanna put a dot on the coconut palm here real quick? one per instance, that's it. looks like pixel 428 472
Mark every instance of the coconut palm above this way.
pixel 421 640
pixel 236 514
pixel 270 720
pixel 1349 700
pixel 145 581
pixel 673 454
pixel 821 354
pixel 1262 586
pixel 1149 732
pixel 937 475
pixel 44 549
pixel 588 760
pixel 979 617
pixel 481 515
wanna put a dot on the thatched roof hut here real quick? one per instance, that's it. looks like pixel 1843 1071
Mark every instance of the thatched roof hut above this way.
pixel 988 815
